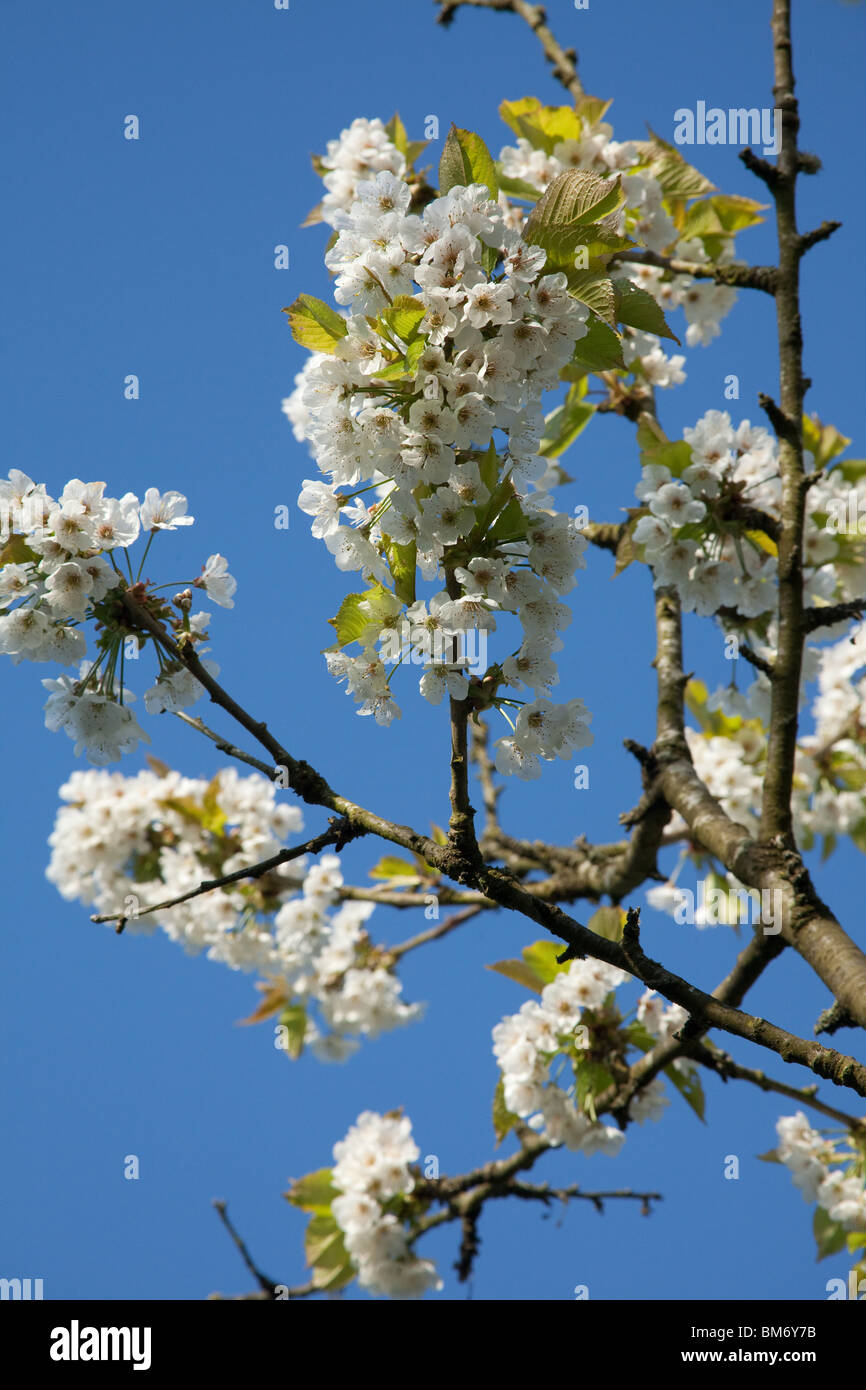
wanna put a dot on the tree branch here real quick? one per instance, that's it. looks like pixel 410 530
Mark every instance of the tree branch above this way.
pixel 840 964
pixel 737 274
pixel 724 1066
pixel 464 1196
pixel 810 239
pixel 563 60
pixel 776 812
pixel 393 953
pixel 268 1287
pixel 339 834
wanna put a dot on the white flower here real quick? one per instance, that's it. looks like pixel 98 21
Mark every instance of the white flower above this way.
pixel 488 303
pixel 176 690
pixel 217 582
pixel 652 533
pixel 674 504
pixel 100 727
pixel 117 522
pixel 164 511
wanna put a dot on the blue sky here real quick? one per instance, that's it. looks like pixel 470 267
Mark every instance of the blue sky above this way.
pixel 156 258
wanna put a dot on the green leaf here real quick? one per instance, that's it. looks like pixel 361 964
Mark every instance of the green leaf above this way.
pixel 213 817
pixel 640 1036
pixel 677 456
pixel 735 212
pixel 639 309
pixel 607 922
pixel 564 424
pixel 770 1156
pixel 700 220
pixel 326 1253
pixel 16 551
pixel 414 151
pixel 488 467
pixel 595 289
pixel 543 126
pixel 591 1078
pixel 392 866
pixel 541 957
pixel 294 1020
pixel 314 324
pixel 510 524
pixel 314 216
pixel 592 109
pixel 394 370
pixel 852 470
pixel 600 241
pixel 516 188
pixel 466 159
pixel 402 560
pixel 489 258
pixel 185 806
pixel 829 1235
pixel 599 350
pixel 520 972
pixel 314 1192
pixel 503 1120
pixel 512 111
pixel 626 551
pixel 396 133
pixel 678 179
pixel 858 836
pixel 403 315
pixel 689 1087
pixel 656 448
pixel 576 198
pixel 351 621
pixel 824 441
pixel 522 117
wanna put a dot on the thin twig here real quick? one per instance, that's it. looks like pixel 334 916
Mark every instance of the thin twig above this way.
pixel 230 749
pixel 724 1066
pixel 265 1284
pixel 393 953
pixel 737 275
pixel 563 60
pixel 338 835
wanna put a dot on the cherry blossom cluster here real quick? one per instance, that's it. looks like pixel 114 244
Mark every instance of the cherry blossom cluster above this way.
pixel 645 219
pixel 815 1163
pixel 373 1174
pixel 122 844
pixel 452 332
pixel 560 1025
pixel 693 537
pixel 362 151
pixel 830 767
pixel 829 793
pixel 59 570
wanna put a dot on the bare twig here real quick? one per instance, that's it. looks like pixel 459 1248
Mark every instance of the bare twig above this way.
pixel 737 275
pixel 267 1285
pixel 776 813
pixel 339 834
pixel 230 750
pixel 724 1066
pixel 393 953
pixel 563 60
